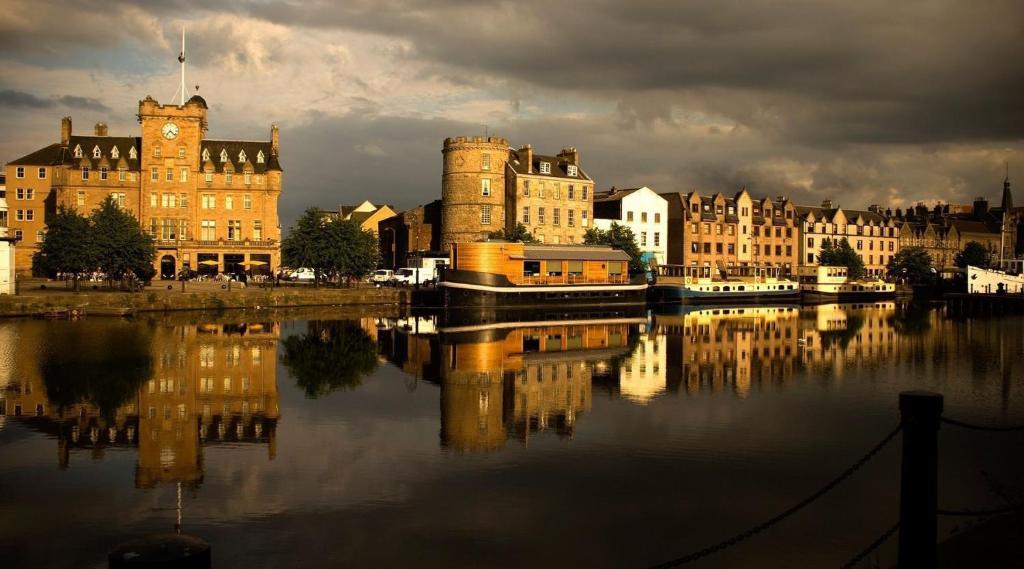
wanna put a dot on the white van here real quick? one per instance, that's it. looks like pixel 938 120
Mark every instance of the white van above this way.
pixel 412 276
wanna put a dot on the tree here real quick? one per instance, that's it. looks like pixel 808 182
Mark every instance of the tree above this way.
pixel 306 244
pixel 913 264
pixel 352 251
pixel 331 355
pixel 68 247
pixel 618 237
pixel 123 249
pixel 974 254
pixel 841 255
pixel 519 233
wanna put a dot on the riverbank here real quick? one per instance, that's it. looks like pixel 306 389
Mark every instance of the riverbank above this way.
pixel 41 302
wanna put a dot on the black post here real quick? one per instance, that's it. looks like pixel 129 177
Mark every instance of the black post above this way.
pixel 920 412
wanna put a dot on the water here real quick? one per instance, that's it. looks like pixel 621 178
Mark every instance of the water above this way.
pixel 607 440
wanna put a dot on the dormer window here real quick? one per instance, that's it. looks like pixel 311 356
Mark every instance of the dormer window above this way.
pixel 206 154
pixel 223 155
pixel 132 154
pixel 114 153
pixel 96 152
pixel 259 157
pixel 571 170
pixel 545 167
pixel 241 156
pixel 78 151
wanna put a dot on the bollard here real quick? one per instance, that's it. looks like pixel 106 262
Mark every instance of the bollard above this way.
pixel 163 551
pixel 920 412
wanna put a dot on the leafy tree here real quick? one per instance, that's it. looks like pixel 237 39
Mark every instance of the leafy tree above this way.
pixel 68 247
pixel 841 255
pixel 306 246
pixel 619 237
pixel 974 254
pixel 353 252
pixel 123 248
pixel 331 355
pixel 518 233
pixel 912 263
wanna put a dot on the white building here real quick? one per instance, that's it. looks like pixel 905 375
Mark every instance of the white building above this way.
pixel 6 244
pixel 640 209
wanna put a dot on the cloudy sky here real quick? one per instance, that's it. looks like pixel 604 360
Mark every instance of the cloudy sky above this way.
pixel 863 102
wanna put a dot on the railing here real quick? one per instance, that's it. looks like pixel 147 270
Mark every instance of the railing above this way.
pixel 541 280
pixel 921 415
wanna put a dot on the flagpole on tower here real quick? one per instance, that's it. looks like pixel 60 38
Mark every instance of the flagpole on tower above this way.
pixel 181 59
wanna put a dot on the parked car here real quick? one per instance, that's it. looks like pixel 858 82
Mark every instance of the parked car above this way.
pixel 382 276
pixel 302 274
pixel 412 276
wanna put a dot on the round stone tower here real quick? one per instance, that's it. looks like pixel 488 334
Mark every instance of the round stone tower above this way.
pixel 472 188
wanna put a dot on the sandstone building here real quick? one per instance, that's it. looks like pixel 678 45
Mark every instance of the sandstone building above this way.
pixel 210 204
pixel 871 234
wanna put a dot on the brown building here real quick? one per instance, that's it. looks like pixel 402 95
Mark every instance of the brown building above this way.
pixel 367 215
pixel 487 186
pixel 871 234
pixel 201 199
pixel 414 231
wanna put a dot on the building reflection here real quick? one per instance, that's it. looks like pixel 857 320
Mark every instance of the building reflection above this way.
pixel 203 384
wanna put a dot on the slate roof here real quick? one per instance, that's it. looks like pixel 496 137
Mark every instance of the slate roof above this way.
pixel 234 149
pixel 558 166
pixel 969 226
pixel 613 194
pixel 106 144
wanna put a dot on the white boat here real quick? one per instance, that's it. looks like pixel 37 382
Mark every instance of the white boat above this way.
pixel 831 284
pixel 741 284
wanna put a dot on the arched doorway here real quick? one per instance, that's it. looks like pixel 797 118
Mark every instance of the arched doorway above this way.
pixel 167 267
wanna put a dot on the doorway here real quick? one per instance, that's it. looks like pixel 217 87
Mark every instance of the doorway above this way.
pixel 167 267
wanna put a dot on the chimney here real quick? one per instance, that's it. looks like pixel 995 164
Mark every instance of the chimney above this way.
pixel 526 154
pixel 980 207
pixel 275 140
pixel 827 204
pixel 100 129
pixel 65 131
pixel 875 208
pixel 571 155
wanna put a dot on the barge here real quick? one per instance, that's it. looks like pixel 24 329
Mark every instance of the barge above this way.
pixel 697 285
pixel 833 284
pixel 501 273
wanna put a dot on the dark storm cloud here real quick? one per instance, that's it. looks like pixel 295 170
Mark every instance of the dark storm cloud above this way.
pixel 20 99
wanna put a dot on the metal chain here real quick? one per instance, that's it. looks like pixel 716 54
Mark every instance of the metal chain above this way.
pixel 979 513
pixel 874 545
pixel 785 514
pixel 982 427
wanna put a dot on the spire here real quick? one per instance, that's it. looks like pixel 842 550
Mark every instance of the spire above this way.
pixel 1007 202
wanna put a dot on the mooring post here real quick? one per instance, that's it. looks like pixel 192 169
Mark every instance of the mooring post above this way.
pixel 920 413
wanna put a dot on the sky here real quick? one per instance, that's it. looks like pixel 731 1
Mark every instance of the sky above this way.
pixel 867 102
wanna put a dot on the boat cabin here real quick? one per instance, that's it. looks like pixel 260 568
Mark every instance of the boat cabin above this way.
pixel 697 275
pixel 822 275
pixel 530 264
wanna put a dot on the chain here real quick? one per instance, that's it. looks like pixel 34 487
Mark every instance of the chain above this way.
pixel 785 514
pixel 982 427
pixel 874 545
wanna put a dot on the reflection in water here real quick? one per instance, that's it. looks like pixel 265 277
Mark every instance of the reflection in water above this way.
pixel 166 391
pixel 331 355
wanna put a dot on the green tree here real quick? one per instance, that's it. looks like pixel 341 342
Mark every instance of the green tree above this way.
pixel 974 254
pixel 68 247
pixel 518 233
pixel 307 245
pixel 123 249
pixel 331 355
pixel 911 263
pixel 619 237
pixel 352 251
pixel 841 255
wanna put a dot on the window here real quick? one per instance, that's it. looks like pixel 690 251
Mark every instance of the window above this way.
pixel 572 192
pixel 234 230
pixel 132 154
pixel 85 172
pixel 209 177
pixel 556 219
pixel 103 173
pixel 30 215
pixel 156 151
pixel 246 201
pixel 181 152
pixel 731 249
pixel 208 230
pixel 485 187
pixel 115 153
pixel 571 217
pixel 718 248
pixel 169 175
pixel 257 230
pixel 259 157
pixel 223 155
pixel 248 178
pixel 583 196
pixel 259 179
pixel 241 156
pixel 718 229
pixel 96 152
pixel 168 200
pixel 657 217
pixel 810 242
pixel 526 188
pixel 860 244
pixel 42 173
pixel 183 200
pixel 19 215
pixel 78 151
pixel 485 215
pixel 228 176
pixel 20 193
pixel 558 192
pixel 485 162
pixel 657 239
pixel 208 201
pixel 571 170
pixel 540 215
pixel 120 198
pixel 122 174
pixel 152 199
pixel 629 216
pixel 545 167
pixel 40 236
pixel 526 215
pixel 183 174
pixel 583 217
pixel 707 229
pixel 18 234
pixel 80 202
pixel 154 174
pixel 643 238
pixel 540 191
pixel 643 217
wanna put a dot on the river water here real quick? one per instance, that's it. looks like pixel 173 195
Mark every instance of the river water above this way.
pixel 616 439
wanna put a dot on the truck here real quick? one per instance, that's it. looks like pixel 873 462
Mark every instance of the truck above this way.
pixel 412 276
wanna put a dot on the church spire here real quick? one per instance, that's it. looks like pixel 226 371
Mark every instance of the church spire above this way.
pixel 1007 203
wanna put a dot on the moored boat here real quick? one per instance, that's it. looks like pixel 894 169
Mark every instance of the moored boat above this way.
pixel 500 273
pixel 832 284
pixel 742 284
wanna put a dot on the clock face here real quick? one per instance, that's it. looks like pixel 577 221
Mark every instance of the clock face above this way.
pixel 169 130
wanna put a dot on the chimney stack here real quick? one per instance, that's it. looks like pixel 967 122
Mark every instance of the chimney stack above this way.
pixel 275 140
pixel 65 131
pixel 827 204
pixel 571 155
pixel 101 129
pixel 526 154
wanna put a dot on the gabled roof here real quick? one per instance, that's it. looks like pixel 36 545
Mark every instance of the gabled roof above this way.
pixel 613 194
pixel 106 145
pixel 234 148
pixel 559 166
pixel 46 156
pixel 968 226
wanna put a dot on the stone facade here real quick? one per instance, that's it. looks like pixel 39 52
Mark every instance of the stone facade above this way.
pixel 472 188
pixel 201 199
pixel 872 235
pixel 415 230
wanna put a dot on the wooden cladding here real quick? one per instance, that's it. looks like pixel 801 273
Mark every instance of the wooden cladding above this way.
pixel 512 260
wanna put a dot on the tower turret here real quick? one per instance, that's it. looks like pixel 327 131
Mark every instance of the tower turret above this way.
pixel 472 188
